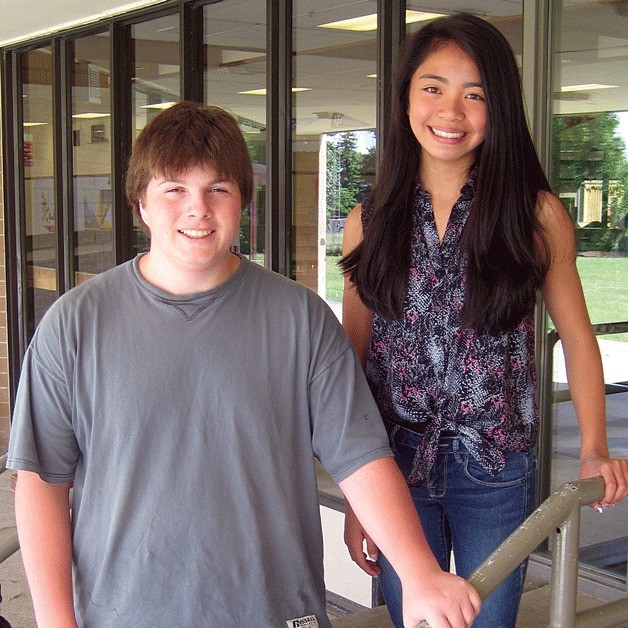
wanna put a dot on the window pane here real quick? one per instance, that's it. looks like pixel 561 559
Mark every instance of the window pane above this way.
pixel 156 80
pixel 334 84
pixel 234 78
pixel 39 205
pixel 91 156
pixel 590 173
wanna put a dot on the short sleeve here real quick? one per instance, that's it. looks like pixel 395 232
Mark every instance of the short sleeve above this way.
pixel 347 429
pixel 42 438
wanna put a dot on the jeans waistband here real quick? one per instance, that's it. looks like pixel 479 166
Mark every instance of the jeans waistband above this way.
pixel 418 429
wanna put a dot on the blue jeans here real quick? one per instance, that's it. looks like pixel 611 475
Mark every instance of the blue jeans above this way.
pixel 464 509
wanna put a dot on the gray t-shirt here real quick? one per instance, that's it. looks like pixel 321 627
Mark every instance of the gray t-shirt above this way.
pixel 188 425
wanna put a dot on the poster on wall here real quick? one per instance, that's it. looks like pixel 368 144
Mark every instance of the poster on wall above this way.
pixel 28 150
pixel 92 203
pixel 40 197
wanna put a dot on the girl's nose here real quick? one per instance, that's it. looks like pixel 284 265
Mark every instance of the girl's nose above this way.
pixel 451 109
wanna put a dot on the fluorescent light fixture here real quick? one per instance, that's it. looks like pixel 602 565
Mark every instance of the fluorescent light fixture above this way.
pixel 262 92
pixel 159 105
pixel 34 124
pixel 369 22
pixel 586 87
pixel 90 116
pixel 371 76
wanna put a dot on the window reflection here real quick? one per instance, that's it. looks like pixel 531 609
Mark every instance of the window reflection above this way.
pixel 91 156
pixel 156 80
pixel 234 78
pixel 39 200
pixel 334 86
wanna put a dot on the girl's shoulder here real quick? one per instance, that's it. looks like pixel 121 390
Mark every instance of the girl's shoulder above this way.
pixel 550 210
pixel 353 229
pixel 556 224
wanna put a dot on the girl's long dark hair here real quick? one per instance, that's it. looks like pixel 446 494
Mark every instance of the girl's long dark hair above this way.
pixel 503 241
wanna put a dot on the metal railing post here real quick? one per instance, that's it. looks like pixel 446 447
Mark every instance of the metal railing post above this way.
pixel 564 586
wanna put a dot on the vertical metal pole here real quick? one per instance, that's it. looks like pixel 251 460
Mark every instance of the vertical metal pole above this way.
pixel 278 250
pixel 564 586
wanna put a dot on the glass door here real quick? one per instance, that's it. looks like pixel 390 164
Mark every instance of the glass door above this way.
pixel 156 81
pixel 589 171
pixel 234 78
pixel 333 144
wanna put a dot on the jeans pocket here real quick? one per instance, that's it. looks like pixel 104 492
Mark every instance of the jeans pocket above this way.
pixel 517 470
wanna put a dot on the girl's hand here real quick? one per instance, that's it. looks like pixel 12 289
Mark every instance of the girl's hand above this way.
pixel 614 472
pixel 355 536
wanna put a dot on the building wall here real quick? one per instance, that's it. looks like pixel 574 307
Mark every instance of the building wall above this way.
pixel 4 361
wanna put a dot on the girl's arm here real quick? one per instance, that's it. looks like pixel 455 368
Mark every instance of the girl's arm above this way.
pixel 42 514
pixel 564 299
pixel 357 320
pixel 380 495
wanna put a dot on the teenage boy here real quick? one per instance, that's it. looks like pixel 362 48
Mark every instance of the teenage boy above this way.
pixel 183 394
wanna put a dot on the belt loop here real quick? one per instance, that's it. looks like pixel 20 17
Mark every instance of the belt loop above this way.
pixel 455 447
pixel 393 432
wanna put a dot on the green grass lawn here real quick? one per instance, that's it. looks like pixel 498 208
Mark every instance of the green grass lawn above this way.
pixel 334 279
pixel 604 279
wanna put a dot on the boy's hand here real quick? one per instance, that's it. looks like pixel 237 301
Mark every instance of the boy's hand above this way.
pixel 441 599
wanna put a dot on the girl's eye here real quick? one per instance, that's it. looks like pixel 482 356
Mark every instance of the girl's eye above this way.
pixel 431 89
pixel 475 97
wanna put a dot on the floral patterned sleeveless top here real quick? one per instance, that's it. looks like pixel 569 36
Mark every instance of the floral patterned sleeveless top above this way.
pixel 429 375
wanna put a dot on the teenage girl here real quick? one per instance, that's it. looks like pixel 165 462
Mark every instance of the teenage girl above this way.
pixel 442 268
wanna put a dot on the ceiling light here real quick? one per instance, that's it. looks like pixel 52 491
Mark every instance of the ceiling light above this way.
pixel 586 86
pixel 90 116
pixel 34 124
pixel 369 22
pixel 262 92
pixel 159 105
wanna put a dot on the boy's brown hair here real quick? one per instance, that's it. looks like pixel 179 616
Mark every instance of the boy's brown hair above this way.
pixel 184 136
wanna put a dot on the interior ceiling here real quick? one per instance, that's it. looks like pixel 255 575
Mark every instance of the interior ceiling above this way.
pixel 338 66
pixel 22 20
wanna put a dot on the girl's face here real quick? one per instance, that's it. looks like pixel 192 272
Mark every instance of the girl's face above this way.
pixel 447 107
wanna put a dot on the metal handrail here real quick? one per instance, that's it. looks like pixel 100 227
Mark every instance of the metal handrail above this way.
pixel 560 512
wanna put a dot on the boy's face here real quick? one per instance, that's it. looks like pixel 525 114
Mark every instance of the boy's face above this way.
pixel 193 218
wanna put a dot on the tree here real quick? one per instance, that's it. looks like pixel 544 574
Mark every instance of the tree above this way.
pixel 344 174
pixel 586 147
